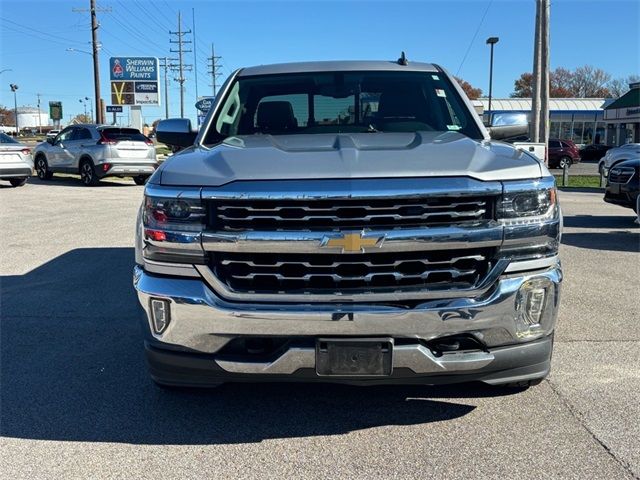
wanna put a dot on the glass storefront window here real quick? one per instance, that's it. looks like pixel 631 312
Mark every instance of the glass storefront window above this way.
pixel 565 131
pixel 554 129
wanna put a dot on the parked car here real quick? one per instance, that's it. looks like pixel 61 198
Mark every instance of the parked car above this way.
pixel 52 133
pixel 16 164
pixel 617 155
pixel 562 152
pixel 595 151
pixel 623 184
pixel 381 236
pixel 96 152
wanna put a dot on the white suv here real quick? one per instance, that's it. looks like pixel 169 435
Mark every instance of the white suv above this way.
pixel 95 152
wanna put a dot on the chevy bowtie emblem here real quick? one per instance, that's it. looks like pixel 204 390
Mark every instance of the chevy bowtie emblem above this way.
pixel 350 242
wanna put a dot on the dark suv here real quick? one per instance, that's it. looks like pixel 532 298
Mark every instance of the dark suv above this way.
pixel 562 152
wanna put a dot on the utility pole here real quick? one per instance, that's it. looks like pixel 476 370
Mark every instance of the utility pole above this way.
pixel 537 76
pixel 181 66
pixel 166 66
pixel 544 78
pixel 95 48
pixel 195 49
pixel 214 68
pixel 39 118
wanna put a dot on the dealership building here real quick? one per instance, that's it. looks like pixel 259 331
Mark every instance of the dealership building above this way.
pixel 577 119
pixel 622 117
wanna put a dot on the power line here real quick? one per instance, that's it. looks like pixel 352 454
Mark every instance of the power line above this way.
pixel 474 36
pixel 39 32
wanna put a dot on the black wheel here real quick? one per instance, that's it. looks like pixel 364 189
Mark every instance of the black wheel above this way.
pixel 17 182
pixel 42 168
pixel 565 161
pixel 88 174
pixel 140 179
pixel 523 385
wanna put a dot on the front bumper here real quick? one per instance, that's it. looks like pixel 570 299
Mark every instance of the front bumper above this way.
pixel 201 324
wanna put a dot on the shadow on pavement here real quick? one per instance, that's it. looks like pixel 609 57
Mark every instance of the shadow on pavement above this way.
pixel 600 221
pixel 613 241
pixel 68 181
pixel 73 369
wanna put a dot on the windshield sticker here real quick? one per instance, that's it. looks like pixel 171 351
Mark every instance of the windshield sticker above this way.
pixel 454 127
pixel 435 77
pixel 440 92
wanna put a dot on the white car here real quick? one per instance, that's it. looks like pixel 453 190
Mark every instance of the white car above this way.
pixel 16 164
pixel 617 155
pixel 52 133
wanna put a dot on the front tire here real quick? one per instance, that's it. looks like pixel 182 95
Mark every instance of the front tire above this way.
pixel 88 174
pixel 140 179
pixel 17 182
pixel 565 161
pixel 42 168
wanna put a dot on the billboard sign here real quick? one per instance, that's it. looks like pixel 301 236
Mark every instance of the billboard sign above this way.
pixel 55 110
pixel 134 80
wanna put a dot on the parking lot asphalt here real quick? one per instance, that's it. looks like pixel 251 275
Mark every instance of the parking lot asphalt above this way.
pixel 75 400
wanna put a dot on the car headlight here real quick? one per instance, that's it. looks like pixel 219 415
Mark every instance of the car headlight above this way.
pixel 529 206
pixel 171 214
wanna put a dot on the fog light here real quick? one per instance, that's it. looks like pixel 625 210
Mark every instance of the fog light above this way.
pixel 160 315
pixel 531 301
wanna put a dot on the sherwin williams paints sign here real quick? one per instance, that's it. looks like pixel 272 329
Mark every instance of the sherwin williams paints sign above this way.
pixel 134 80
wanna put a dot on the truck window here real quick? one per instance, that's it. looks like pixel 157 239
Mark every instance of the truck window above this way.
pixel 334 102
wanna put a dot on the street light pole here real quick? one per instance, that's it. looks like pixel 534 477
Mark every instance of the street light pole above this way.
pixel 14 87
pixel 491 41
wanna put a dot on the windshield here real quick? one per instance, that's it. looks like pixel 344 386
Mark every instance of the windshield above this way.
pixel 4 138
pixel 119 134
pixel 342 102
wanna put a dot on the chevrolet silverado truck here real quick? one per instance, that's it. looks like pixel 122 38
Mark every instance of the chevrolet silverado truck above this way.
pixel 347 222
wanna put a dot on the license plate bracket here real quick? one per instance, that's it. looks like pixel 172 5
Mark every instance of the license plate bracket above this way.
pixel 370 357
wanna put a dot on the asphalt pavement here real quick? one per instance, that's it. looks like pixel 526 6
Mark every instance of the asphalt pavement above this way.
pixel 75 400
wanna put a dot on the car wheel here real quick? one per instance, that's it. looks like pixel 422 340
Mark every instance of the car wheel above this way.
pixel 564 161
pixel 141 179
pixel 42 168
pixel 17 182
pixel 88 174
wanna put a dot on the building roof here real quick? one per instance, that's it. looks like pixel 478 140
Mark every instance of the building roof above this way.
pixel 555 104
pixel 23 110
pixel 628 100
pixel 337 66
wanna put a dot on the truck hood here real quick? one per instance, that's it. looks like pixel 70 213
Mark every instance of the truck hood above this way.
pixel 347 156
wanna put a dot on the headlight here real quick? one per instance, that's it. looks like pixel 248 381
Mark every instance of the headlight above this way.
pixel 530 206
pixel 172 214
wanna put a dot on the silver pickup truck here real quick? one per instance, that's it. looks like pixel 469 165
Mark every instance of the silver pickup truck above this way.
pixel 347 222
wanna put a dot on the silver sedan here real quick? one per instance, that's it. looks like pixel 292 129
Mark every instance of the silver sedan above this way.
pixel 16 164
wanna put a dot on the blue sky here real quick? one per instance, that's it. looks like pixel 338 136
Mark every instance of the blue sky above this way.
pixel 35 36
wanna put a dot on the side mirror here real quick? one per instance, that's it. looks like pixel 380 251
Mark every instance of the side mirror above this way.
pixel 501 132
pixel 176 132
pixel 50 140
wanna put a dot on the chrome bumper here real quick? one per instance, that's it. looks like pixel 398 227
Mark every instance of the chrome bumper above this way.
pixel 200 321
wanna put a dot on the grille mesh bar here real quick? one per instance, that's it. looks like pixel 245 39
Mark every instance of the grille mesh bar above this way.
pixel 246 215
pixel 325 273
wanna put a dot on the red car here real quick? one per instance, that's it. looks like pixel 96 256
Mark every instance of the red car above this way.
pixel 562 152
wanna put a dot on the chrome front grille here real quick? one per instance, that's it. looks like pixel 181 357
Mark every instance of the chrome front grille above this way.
pixel 345 273
pixel 333 215
pixel 621 174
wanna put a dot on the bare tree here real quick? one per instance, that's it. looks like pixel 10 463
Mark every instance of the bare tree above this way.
pixel 588 82
pixel 619 86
